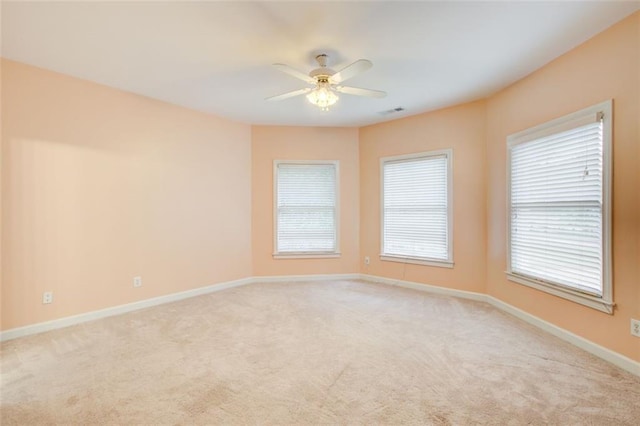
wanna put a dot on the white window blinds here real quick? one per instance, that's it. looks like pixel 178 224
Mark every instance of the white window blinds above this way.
pixel 305 208
pixel 415 207
pixel 556 203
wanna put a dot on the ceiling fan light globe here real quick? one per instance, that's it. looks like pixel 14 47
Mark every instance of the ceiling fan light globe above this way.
pixel 322 98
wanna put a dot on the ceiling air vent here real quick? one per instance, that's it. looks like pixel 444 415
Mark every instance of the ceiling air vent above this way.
pixel 391 111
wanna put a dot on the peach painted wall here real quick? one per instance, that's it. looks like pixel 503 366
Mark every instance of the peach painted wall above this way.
pixel 461 128
pixel 304 143
pixel 605 67
pixel 100 185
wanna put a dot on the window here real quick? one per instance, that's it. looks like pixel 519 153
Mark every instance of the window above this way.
pixel 416 208
pixel 559 207
pixel 306 214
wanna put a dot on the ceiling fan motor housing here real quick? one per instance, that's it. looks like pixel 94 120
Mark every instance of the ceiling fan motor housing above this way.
pixel 323 73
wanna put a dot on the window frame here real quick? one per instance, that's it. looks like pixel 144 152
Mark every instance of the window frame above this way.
pixel 605 302
pixel 448 263
pixel 309 254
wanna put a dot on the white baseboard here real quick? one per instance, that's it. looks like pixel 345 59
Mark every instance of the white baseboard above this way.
pixel 294 278
pixel 41 327
pixel 463 294
pixel 587 345
pixel 117 310
pixel 615 358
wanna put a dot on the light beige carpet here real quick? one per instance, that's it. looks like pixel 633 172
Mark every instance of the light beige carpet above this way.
pixel 342 352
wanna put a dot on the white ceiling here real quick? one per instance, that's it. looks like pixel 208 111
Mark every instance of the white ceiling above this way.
pixel 216 56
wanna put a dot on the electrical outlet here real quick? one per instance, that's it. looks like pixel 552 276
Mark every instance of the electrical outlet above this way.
pixel 635 327
pixel 137 281
pixel 47 297
pixel 367 260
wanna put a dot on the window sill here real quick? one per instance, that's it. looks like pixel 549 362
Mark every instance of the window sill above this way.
pixel 575 296
pixel 417 261
pixel 306 255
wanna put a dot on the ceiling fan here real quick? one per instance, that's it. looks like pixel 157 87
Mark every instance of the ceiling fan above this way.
pixel 326 82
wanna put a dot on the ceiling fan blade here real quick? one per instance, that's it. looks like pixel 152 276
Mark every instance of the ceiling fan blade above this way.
pixel 361 65
pixel 361 92
pixel 289 94
pixel 295 73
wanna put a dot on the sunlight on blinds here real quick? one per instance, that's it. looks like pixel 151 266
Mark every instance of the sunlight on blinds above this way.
pixel 556 208
pixel 415 208
pixel 306 208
